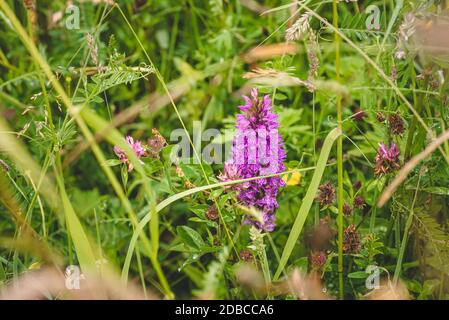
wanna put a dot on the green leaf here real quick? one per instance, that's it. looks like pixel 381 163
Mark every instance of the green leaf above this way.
pixel 358 275
pixel 437 190
pixel 83 249
pixel 113 162
pixel 190 237
pixel 152 165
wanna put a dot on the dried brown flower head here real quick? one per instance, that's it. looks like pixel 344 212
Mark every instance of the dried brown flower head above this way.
pixel 351 240
pixel 394 73
pixel 357 185
pixel 380 117
pixel 347 210
pixel 326 194
pixel 246 255
pixel 155 144
pixel 358 114
pixel 179 172
pixel 359 202
pixel 189 185
pixel 317 260
pixel 212 213
pixel 396 124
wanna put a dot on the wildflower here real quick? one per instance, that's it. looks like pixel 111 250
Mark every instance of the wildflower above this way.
pixel 298 30
pixel 231 173
pixel 326 194
pixel 317 260
pixel 380 117
pixel 257 150
pixel 351 240
pixel 139 150
pixel 292 179
pixel 359 114
pixel 359 202
pixel 387 159
pixel 155 144
pixel 397 126
pixel 357 185
pixel 246 255
pixel 347 210
pixel 212 213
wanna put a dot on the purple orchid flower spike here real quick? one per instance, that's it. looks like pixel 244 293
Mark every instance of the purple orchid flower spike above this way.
pixel 257 150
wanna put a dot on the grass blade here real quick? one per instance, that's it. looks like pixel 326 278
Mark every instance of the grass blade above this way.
pixel 83 248
pixel 308 200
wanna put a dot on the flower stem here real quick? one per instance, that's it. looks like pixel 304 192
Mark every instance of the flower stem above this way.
pixel 339 156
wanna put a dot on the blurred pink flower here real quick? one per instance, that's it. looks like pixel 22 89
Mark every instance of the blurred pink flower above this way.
pixel 139 150
pixel 232 173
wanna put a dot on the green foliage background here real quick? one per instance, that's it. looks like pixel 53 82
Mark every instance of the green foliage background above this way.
pixel 199 49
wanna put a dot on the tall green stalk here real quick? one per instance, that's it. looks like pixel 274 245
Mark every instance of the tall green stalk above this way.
pixel 339 156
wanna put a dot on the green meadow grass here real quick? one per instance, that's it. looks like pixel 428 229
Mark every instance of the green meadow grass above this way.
pixel 72 90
